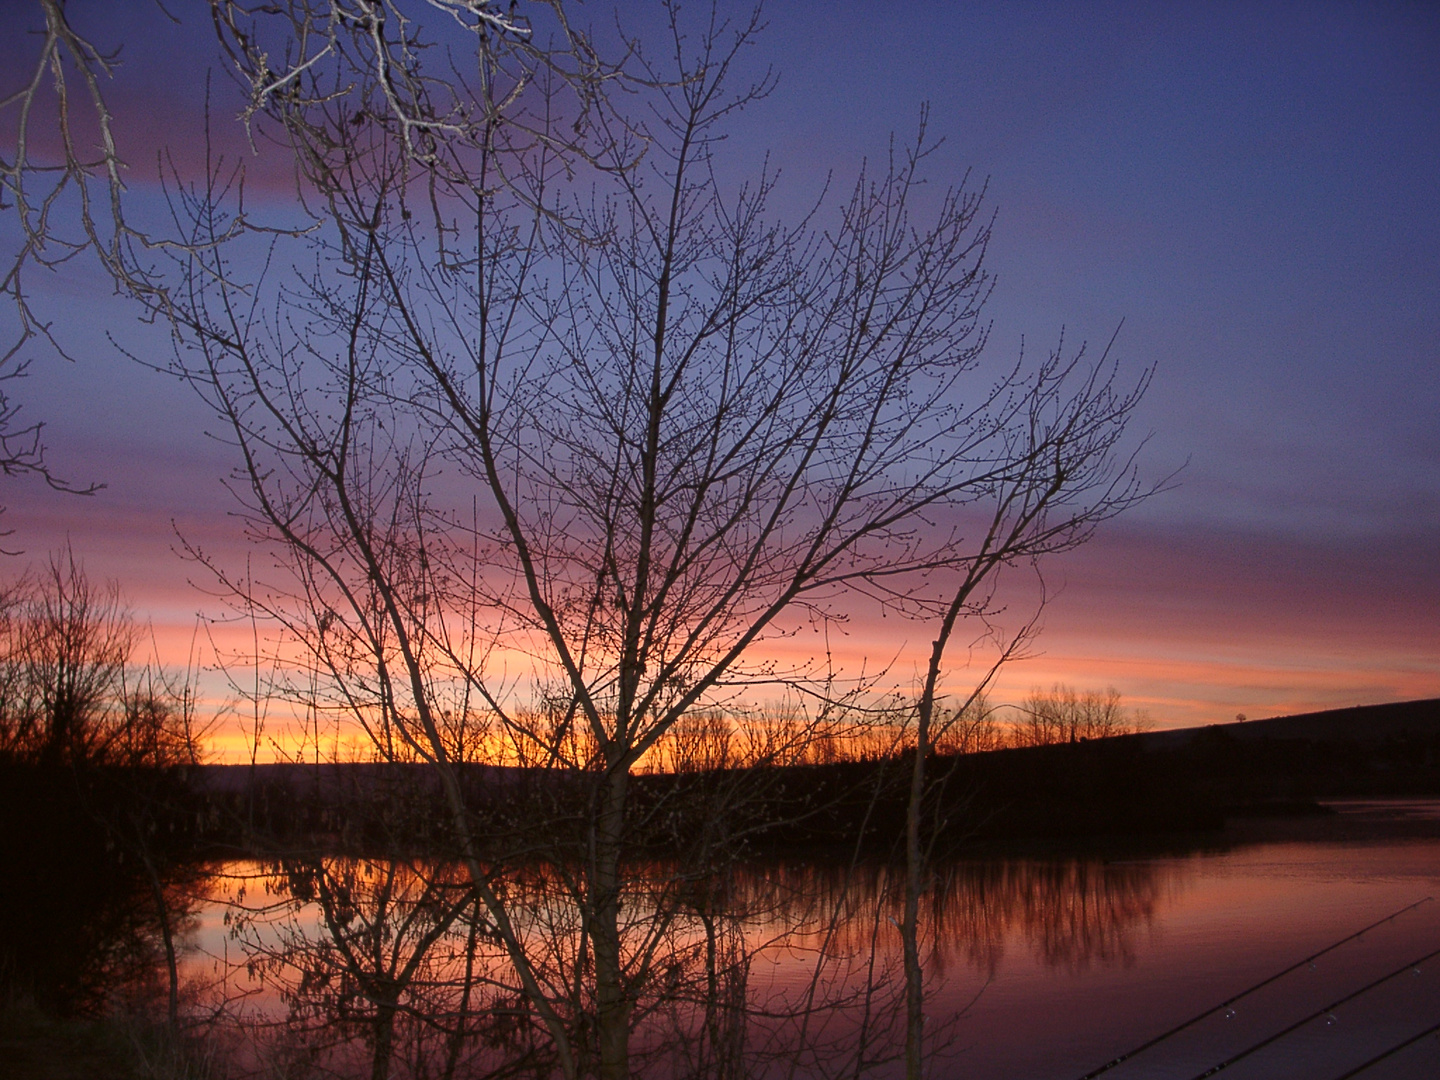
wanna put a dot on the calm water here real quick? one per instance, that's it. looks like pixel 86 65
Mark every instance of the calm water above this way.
pixel 1221 924
pixel 1036 968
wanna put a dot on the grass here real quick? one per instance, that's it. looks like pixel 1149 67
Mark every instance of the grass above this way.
pixel 37 1046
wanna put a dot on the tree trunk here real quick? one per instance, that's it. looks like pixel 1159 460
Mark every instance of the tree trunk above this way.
pixel 457 1037
pixel 612 1020
pixel 914 882
pixel 167 934
pixel 384 1037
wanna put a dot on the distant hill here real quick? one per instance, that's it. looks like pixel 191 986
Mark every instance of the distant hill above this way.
pixel 1365 724
pixel 331 780
pixel 1153 783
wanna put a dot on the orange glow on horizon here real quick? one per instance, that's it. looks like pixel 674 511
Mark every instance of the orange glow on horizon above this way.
pixel 1176 687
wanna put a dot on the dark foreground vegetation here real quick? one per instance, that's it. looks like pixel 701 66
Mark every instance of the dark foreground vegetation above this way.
pixel 100 857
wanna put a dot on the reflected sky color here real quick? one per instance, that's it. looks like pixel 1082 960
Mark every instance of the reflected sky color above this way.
pixel 1250 189
pixel 1042 969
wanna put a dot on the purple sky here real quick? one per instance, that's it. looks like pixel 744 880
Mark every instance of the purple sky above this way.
pixel 1253 189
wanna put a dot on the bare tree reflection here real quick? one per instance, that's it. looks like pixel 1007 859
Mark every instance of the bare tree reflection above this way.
pixel 1073 913
pixel 387 967
pixel 375 961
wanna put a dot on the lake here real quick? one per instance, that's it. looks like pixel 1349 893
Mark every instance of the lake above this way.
pixel 1037 967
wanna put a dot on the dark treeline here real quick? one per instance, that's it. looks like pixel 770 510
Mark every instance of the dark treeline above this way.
pixel 97 820
pixel 1134 785
pixel 1130 785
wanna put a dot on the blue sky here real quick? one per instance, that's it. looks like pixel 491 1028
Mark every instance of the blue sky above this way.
pixel 1253 189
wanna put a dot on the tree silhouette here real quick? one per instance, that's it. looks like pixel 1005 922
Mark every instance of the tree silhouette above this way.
pixel 553 430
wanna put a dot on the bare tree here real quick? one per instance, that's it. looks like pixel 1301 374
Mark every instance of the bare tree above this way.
pixel 61 180
pixel 73 689
pixel 972 728
pixel 554 431
pixel 1064 475
pixel 63 170
pixel 67 646
pixel 1065 715
pixel 64 151
pixel 87 725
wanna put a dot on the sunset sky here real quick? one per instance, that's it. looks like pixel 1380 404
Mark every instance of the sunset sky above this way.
pixel 1252 189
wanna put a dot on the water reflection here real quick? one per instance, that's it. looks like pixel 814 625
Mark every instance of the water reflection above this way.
pixel 354 949
pixel 381 967
pixel 1072 913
